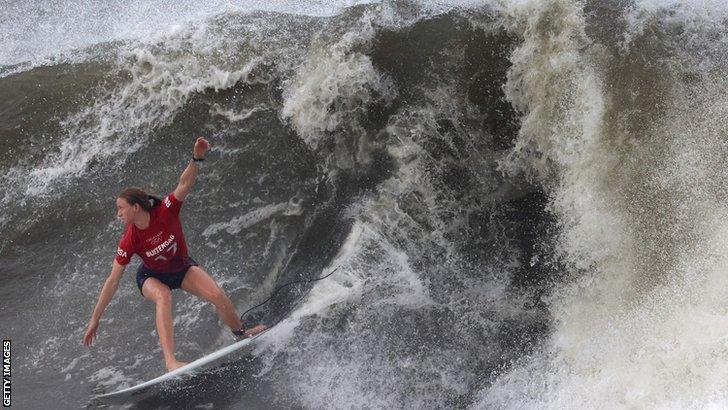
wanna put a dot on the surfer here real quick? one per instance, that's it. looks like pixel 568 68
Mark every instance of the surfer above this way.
pixel 154 232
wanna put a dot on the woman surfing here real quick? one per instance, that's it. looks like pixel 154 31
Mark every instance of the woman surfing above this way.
pixel 154 232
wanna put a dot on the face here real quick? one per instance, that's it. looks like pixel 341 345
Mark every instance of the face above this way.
pixel 125 211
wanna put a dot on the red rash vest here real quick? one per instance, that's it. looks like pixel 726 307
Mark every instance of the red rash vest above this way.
pixel 162 245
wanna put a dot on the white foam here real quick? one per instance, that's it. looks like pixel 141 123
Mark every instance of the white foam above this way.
pixel 111 377
pixel 333 85
pixel 253 217
pixel 640 323
pixel 70 366
pixel 234 116
pixel 60 28
pixel 339 287
pixel 119 122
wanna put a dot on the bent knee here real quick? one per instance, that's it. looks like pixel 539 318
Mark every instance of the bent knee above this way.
pixel 159 294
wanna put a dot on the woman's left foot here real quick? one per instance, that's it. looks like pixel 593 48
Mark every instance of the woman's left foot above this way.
pixel 175 365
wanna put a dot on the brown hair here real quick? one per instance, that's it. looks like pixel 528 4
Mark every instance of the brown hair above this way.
pixel 134 195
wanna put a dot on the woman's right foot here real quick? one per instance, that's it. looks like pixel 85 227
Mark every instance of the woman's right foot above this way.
pixel 176 364
pixel 244 333
pixel 255 330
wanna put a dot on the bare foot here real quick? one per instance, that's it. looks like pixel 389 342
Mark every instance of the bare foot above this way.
pixel 255 330
pixel 175 365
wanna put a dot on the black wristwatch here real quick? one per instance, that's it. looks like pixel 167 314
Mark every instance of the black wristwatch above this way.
pixel 197 159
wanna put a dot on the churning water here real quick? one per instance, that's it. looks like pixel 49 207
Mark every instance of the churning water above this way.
pixel 525 200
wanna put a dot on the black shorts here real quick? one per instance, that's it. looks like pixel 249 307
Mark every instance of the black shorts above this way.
pixel 173 280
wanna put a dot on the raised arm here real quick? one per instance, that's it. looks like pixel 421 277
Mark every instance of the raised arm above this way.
pixel 189 175
pixel 107 292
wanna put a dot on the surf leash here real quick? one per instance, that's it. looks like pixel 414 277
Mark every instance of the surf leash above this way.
pixel 283 286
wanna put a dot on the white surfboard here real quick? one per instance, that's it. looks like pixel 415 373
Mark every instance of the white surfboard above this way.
pixel 186 370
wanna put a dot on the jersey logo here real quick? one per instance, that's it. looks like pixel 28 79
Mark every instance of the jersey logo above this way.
pixel 167 202
pixel 154 240
pixel 172 250
pixel 121 253
pixel 169 246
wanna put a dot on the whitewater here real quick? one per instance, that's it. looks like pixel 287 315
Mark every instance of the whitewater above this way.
pixel 525 201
